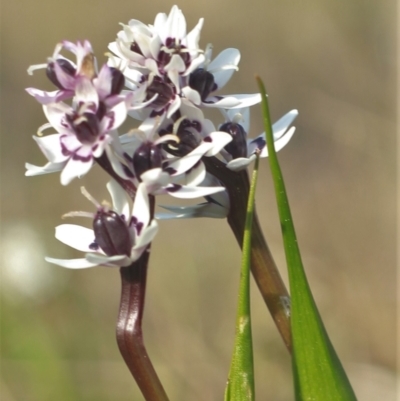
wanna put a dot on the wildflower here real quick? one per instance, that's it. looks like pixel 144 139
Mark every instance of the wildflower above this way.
pixel 241 151
pixel 118 238
pixel 85 129
pixel 211 76
pixel 164 49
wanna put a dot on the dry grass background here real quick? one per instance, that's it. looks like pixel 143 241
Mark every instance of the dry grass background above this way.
pixel 335 62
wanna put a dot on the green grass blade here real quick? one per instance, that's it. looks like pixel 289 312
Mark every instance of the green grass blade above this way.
pixel 317 370
pixel 240 385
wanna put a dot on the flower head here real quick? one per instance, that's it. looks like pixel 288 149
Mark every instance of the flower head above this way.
pixel 119 236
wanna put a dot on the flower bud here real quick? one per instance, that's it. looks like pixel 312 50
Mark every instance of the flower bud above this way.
pixel 238 146
pixel 203 82
pixel 146 157
pixel 112 233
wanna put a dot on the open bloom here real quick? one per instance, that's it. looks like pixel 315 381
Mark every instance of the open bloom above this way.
pixel 64 73
pixel 84 129
pixel 149 163
pixel 211 76
pixel 241 151
pixel 164 49
pixel 118 238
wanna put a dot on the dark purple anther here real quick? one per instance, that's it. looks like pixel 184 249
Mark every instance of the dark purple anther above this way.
pixel 174 47
pixel 86 127
pixel 189 138
pixel 117 81
pixel 203 82
pixel 146 157
pixel 111 233
pixel 238 146
pixel 65 65
pixel 163 90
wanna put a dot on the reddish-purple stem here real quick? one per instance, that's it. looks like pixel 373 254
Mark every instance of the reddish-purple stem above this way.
pixel 129 330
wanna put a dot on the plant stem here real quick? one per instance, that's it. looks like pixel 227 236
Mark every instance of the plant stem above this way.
pixel 263 267
pixel 129 330
pixel 129 325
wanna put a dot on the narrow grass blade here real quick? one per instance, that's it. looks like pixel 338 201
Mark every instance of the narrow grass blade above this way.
pixel 240 385
pixel 317 370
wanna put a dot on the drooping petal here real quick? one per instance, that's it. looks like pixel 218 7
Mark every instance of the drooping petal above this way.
pixel 71 263
pixel 206 209
pixel 186 192
pixel 104 260
pixel 49 97
pixel 240 163
pixel 232 101
pixel 32 170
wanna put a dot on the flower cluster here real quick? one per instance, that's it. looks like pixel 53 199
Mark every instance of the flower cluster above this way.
pixel 159 76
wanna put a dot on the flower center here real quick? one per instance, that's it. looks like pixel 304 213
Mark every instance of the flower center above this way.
pixel 203 82
pixel 238 146
pixel 112 233
pixel 146 157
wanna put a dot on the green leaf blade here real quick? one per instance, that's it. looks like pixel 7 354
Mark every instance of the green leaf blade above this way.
pixel 240 385
pixel 317 371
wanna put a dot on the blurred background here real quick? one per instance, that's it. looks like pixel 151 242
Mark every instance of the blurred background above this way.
pixel 333 61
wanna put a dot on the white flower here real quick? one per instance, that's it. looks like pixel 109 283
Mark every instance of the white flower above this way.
pixel 165 49
pixel 242 151
pixel 118 238
pixel 64 73
pixel 216 205
pixel 148 163
pixel 84 131
pixel 212 76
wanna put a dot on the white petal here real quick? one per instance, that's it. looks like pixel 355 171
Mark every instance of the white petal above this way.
pixel 74 169
pixel 280 127
pixel 186 192
pixel 191 95
pixel 141 210
pixel 71 263
pixel 196 175
pixel 119 198
pixel 117 260
pixel 224 65
pixel 75 236
pixel 49 97
pixel 219 141
pixel 280 143
pixel 55 113
pixel 240 163
pixel 86 93
pixel 207 209
pixel 32 170
pixel 155 176
pixel 51 147
pixel 233 101
pixel 147 235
